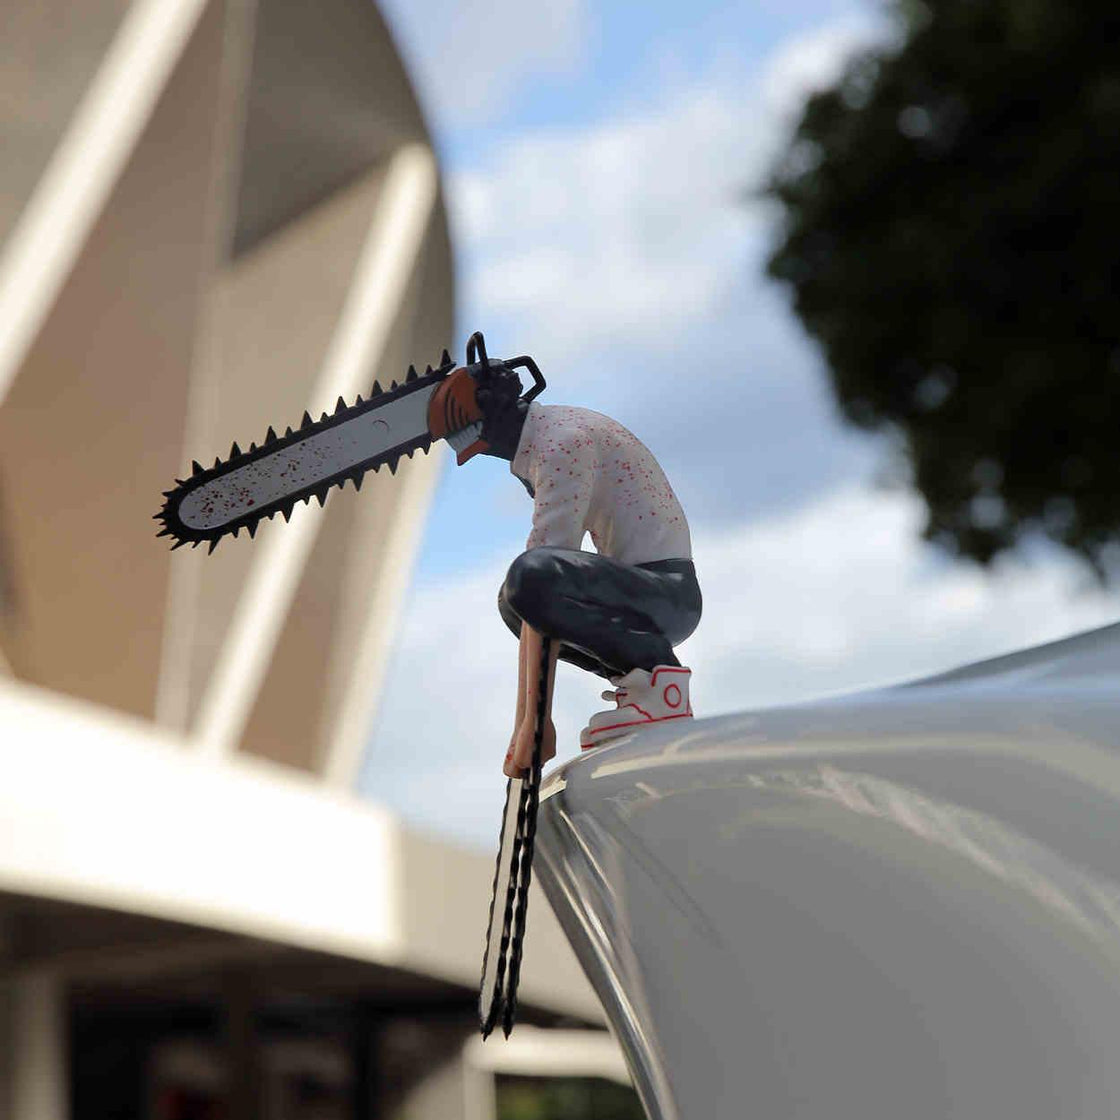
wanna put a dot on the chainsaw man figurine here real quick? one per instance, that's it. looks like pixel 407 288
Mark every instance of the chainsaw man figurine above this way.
pixel 617 611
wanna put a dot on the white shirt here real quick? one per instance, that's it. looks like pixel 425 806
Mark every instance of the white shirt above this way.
pixel 589 474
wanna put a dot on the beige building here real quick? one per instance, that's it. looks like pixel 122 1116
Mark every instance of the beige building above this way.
pixel 213 215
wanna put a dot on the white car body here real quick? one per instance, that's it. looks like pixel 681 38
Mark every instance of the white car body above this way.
pixel 899 905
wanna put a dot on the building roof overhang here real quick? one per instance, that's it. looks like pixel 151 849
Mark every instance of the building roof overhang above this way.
pixel 105 812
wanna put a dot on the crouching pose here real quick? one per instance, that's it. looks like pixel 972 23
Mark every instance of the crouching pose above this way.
pixel 618 611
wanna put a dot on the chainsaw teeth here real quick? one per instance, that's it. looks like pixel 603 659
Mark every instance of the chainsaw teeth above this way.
pixel 171 525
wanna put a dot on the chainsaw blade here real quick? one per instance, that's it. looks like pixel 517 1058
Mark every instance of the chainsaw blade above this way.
pixel 302 464
pixel 491 994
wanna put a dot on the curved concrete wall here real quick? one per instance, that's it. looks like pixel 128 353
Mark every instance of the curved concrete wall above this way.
pixel 228 212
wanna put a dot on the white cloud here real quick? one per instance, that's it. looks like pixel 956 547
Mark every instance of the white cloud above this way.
pixel 623 233
pixel 812 62
pixel 838 596
pixel 632 231
pixel 469 58
pixel 844 595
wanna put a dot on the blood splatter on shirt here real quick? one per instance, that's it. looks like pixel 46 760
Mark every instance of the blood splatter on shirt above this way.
pixel 589 474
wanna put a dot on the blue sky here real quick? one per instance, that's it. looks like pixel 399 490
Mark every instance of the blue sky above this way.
pixel 596 162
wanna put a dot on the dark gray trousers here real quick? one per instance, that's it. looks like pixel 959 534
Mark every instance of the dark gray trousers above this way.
pixel 609 617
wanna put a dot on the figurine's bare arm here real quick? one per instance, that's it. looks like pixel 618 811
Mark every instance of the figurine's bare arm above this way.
pixel 520 755
pixel 521 674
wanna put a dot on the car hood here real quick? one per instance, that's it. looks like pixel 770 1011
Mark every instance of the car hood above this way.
pixel 898 903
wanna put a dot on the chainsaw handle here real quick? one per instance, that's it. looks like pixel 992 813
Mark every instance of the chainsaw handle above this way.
pixel 476 345
pixel 476 350
pixel 539 383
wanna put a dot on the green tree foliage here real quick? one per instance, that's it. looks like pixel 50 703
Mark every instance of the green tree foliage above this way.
pixel 566 1098
pixel 951 210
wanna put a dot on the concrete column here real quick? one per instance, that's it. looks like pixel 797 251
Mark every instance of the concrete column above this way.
pixel 364 1058
pixel 34 1045
pixel 244 1080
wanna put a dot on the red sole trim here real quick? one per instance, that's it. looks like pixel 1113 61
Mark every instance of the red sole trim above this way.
pixel 633 723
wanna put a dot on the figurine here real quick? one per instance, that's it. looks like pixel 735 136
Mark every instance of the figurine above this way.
pixel 616 612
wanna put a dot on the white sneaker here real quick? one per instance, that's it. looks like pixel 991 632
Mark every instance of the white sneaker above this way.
pixel 643 699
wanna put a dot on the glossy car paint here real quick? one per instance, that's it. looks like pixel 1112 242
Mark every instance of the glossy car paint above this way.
pixel 903 904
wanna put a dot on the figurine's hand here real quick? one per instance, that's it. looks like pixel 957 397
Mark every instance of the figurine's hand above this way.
pixel 519 757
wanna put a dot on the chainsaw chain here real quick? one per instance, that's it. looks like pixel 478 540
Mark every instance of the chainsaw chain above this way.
pixel 503 1004
pixel 172 523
